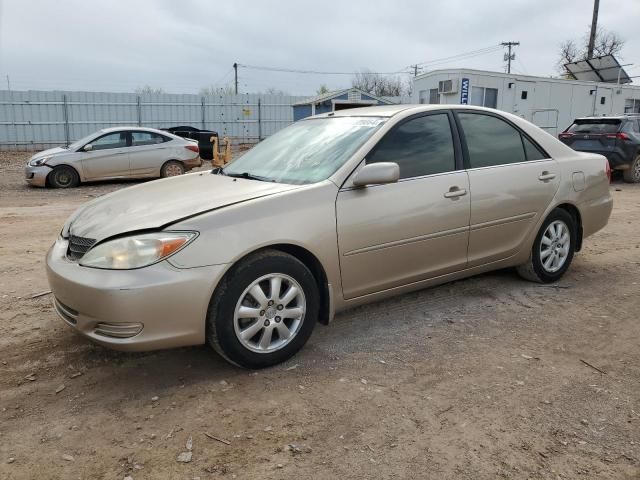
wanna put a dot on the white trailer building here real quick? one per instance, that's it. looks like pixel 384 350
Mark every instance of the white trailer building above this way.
pixel 550 103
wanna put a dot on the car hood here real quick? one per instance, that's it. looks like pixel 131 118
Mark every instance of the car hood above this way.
pixel 49 152
pixel 159 203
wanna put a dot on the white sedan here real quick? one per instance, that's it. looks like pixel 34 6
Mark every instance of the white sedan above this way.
pixel 114 153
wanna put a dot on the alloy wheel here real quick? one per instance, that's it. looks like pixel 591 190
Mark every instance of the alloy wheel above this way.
pixel 554 246
pixel 269 313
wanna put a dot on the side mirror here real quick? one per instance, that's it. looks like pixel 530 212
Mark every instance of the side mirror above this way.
pixel 88 147
pixel 376 174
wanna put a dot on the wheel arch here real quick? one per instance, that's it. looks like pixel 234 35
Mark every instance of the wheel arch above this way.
pixel 181 162
pixel 311 262
pixel 53 167
pixel 172 160
pixel 577 217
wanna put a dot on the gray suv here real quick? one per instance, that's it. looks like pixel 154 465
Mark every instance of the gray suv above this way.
pixel 617 138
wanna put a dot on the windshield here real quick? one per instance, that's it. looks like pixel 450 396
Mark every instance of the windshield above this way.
pixel 78 143
pixel 308 151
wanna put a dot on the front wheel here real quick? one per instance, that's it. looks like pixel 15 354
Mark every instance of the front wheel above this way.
pixel 264 310
pixel 63 176
pixel 552 250
pixel 632 174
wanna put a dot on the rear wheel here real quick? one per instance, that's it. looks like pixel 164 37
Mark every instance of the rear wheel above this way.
pixel 63 177
pixel 632 174
pixel 552 250
pixel 172 168
pixel 263 311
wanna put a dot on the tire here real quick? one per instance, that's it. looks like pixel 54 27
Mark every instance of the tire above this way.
pixel 539 268
pixel 172 168
pixel 632 174
pixel 232 306
pixel 63 177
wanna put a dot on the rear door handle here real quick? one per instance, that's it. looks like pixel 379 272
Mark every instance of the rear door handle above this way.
pixel 455 192
pixel 546 176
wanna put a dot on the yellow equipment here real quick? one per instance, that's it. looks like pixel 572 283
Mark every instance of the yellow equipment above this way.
pixel 221 159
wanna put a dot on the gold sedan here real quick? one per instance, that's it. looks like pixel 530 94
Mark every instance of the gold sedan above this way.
pixel 334 211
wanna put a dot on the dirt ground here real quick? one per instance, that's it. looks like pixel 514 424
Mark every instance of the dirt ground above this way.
pixel 479 379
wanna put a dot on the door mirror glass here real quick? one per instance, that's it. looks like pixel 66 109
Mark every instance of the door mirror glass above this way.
pixel 88 147
pixel 377 173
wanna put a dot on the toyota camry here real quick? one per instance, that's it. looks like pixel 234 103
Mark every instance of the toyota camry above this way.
pixel 331 212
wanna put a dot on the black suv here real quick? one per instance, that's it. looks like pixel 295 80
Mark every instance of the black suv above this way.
pixel 617 138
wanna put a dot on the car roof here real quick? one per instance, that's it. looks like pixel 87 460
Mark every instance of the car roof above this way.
pixel 608 117
pixel 136 129
pixel 391 110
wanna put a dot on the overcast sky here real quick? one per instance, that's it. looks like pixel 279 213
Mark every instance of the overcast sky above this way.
pixel 184 45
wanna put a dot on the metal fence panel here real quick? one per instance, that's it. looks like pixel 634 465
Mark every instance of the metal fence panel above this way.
pixel 35 120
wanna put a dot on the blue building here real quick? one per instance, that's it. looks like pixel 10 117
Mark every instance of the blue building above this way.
pixel 336 100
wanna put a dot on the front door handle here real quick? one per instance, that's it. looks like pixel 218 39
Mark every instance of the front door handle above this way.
pixel 455 192
pixel 545 176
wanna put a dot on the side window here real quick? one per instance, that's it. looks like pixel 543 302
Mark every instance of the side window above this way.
pixel 421 146
pixel 491 141
pixel 631 127
pixel 111 140
pixel 145 138
pixel 531 151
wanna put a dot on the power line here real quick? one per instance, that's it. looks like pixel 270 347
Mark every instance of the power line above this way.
pixel 409 69
pixel 461 56
pixel 309 72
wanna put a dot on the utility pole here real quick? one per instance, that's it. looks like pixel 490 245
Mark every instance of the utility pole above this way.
pixel 594 28
pixel 508 57
pixel 8 83
pixel 235 70
pixel 415 69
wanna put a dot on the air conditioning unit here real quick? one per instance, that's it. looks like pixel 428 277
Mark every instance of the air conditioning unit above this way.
pixel 447 86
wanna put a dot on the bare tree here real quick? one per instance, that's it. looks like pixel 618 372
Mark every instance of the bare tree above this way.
pixel 275 91
pixel 322 89
pixel 149 90
pixel 408 89
pixel 212 90
pixel 379 85
pixel 607 43
pixel 366 81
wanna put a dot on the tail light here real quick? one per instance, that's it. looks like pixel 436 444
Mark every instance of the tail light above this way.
pixel 618 136
pixel 607 169
pixel 565 135
pixel 193 148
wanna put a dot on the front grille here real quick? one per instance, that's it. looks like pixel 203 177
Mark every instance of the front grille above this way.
pixel 78 246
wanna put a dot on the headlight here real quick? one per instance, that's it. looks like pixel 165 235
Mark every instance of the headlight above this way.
pixel 136 251
pixel 39 161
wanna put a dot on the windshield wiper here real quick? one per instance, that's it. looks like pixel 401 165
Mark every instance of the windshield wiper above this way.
pixel 248 176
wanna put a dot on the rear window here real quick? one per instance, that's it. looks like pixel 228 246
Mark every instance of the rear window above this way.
pixel 595 126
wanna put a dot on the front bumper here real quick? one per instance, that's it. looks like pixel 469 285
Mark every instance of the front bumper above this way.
pixel 36 176
pixel 150 308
